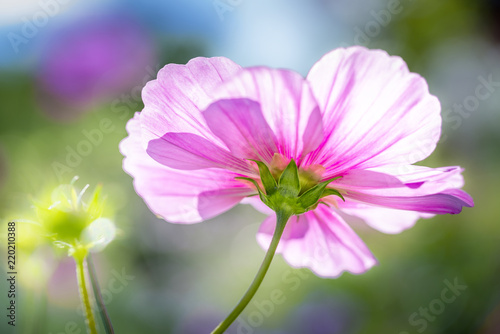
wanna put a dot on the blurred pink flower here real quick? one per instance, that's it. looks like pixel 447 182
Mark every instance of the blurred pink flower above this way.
pixel 360 114
pixel 93 61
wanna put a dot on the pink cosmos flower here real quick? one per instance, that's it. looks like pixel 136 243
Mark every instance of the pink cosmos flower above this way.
pixel 359 115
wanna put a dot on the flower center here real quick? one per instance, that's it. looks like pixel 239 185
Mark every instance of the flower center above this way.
pixel 308 176
pixel 288 191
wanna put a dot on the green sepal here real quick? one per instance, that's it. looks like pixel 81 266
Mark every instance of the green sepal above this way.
pixel 285 195
pixel 95 206
pixel 312 196
pixel 266 177
pixel 262 196
pixel 330 191
pixel 289 180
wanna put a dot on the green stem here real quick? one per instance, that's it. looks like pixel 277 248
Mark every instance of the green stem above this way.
pixel 281 220
pixel 98 296
pixel 84 294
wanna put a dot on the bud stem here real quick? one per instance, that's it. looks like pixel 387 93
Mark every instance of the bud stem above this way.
pixel 84 295
pixel 281 220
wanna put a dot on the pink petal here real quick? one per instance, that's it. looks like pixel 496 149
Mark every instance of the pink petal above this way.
pixel 242 127
pixel 393 203
pixel 321 241
pixel 421 189
pixel 287 104
pixel 376 112
pixel 178 196
pixel 385 220
pixel 257 204
pixel 450 201
pixel 405 181
pixel 174 101
pixel 189 151
pixel 448 177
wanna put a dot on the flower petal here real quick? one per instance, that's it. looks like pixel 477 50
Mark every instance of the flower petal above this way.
pixel 287 104
pixel 376 112
pixel 407 181
pixel 386 220
pixel 257 205
pixel 242 127
pixel 422 189
pixel 174 101
pixel 189 151
pixel 450 201
pixel 321 241
pixel 178 196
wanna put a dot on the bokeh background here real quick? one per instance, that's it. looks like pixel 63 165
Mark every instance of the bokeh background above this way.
pixel 71 73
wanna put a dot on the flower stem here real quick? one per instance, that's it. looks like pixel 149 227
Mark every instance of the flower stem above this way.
pixel 281 220
pixel 84 295
pixel 108 327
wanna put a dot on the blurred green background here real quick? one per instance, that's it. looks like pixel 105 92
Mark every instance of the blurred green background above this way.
pixel 70 77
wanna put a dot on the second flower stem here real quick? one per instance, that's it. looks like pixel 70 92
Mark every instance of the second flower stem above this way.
pixel 97 294
pixel 281 220
pixel 84 294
